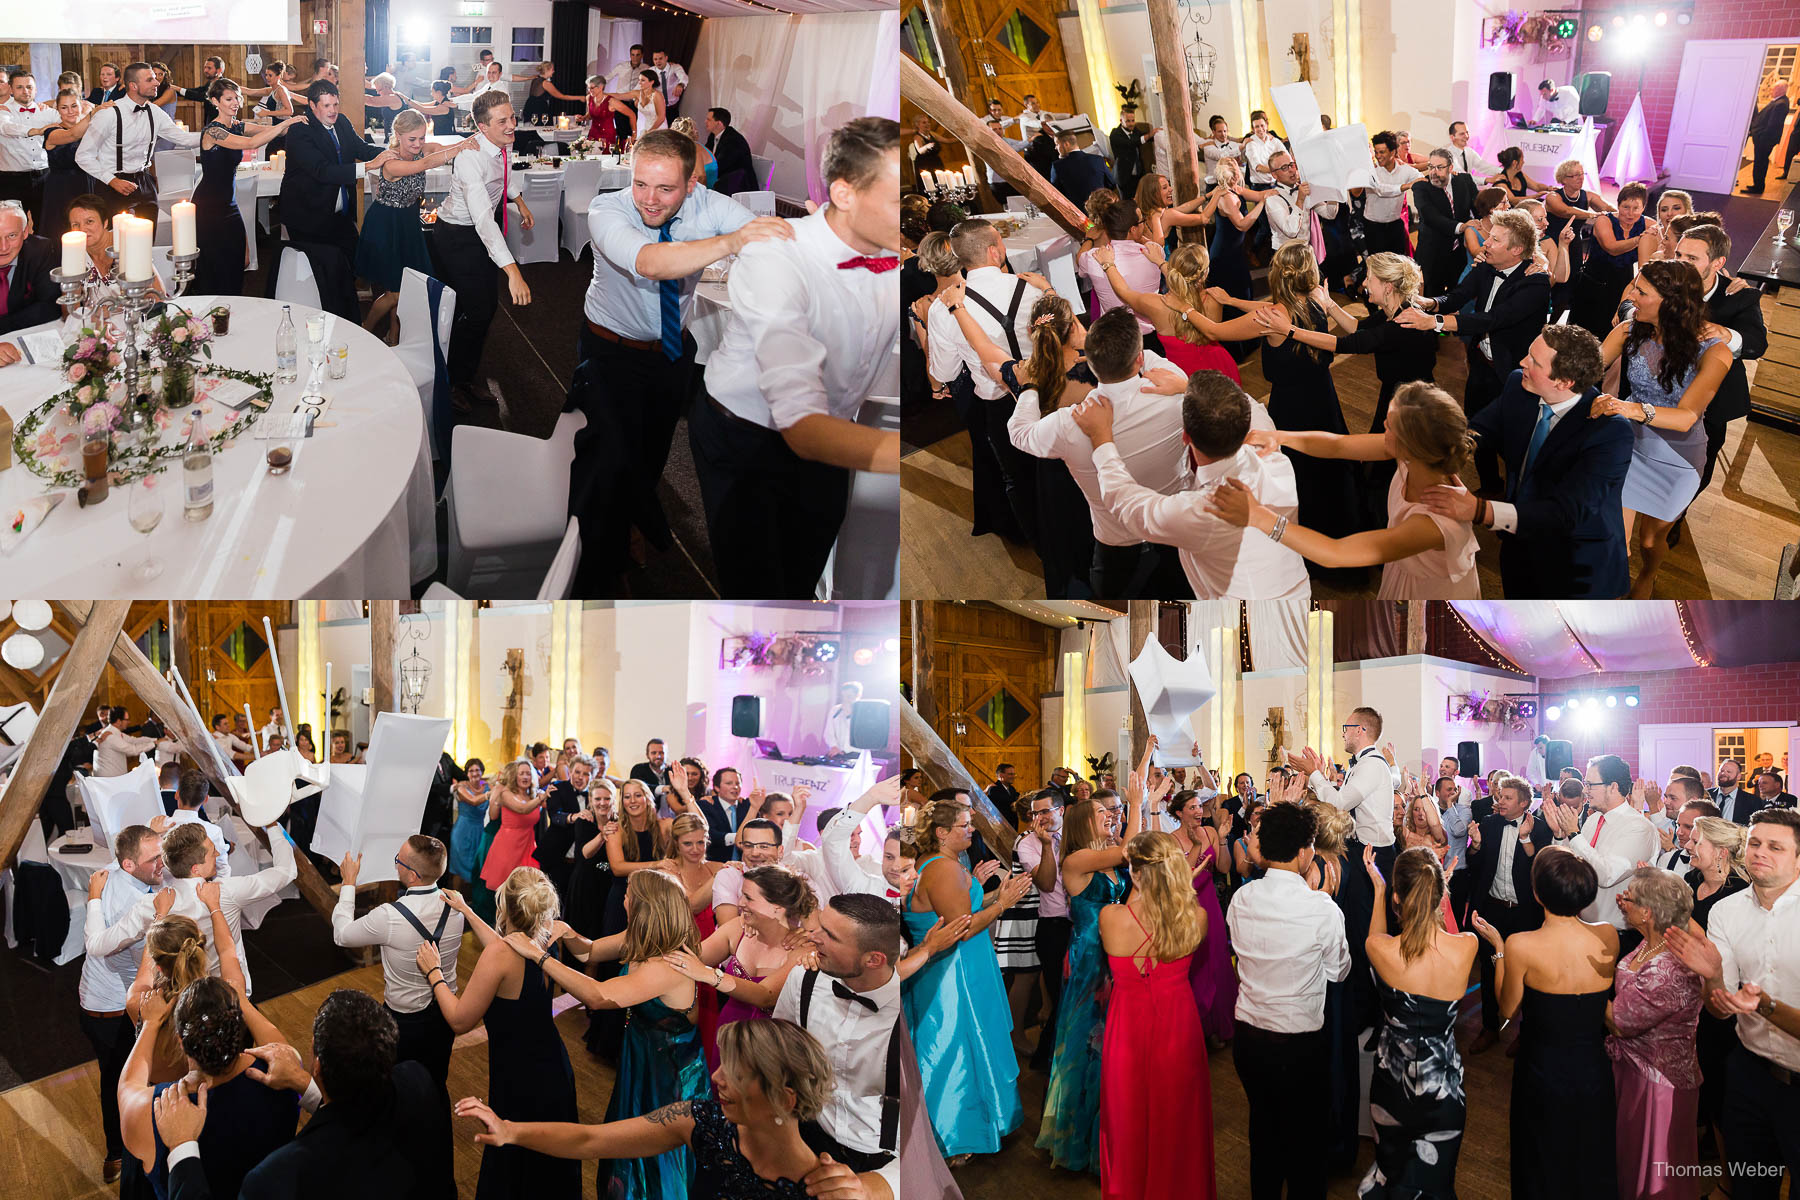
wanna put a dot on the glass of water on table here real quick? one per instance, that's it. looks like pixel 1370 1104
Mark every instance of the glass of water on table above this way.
pixel 144 509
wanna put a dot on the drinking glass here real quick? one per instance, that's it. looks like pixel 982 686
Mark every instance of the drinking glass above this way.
pixel 338 360
pixel 1783 221
pixel 145 511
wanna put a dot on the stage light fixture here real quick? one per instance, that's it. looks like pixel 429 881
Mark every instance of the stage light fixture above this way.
pixel 1662 18
pixel 1528 709
pixel 31 614
pixel 1631 701
pixel 1589 719
pixel 1595 33
pixel 1682 18
pixel 1612 702
pixel 863 656
pixel 891 645
pixel 1638 20
pixel 1566 27
pixel 1618 21
pixel 1553 713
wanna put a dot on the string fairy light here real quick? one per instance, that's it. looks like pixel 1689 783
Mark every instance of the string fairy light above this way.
pixel 1700 656
pixel 1494 657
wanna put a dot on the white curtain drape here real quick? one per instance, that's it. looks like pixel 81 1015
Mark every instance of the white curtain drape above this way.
pixel 1557 639
pixel 884 82
pixel 617 35
pixel 47 60
pixel 789 81
pixel 1277 634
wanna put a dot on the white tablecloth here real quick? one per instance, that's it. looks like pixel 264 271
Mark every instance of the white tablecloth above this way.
pixel 354 517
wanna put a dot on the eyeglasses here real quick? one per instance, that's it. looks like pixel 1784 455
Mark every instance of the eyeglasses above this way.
pixel 1356 725
pixel 401 862
pixel 756 845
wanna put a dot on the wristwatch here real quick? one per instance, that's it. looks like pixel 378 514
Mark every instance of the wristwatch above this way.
pixel 1766 1006
pixel 1649 412
pixel 1437 324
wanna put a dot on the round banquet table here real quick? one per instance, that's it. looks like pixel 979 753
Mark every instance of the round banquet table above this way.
pixel 353 517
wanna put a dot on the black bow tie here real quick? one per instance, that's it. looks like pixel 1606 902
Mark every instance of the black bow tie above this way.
pixel 844 993
pixel 143 108
pixel 1510 824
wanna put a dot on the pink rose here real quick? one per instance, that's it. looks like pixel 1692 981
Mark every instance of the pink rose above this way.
pixel 179 335
pixel 113 360
pixel 195 328
pixel 78 372
pixel 86 394
pixel 87 347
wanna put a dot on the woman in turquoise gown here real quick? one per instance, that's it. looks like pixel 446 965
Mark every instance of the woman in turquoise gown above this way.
pixel 955 1005
pixel 1093 872
pixel 471 814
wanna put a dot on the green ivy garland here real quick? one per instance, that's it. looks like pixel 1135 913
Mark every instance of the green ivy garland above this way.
pixel 136 462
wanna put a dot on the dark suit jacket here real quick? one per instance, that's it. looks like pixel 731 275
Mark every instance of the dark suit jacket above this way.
pixel 561 801
pixel 1004 796
pixel 719 824
pixel 1743 314
pixel 31 294
pixel 650 777
pixel 1570 538
pixel 1511 324
pixel 1765 126
pixel 398 1149
pixel 1128 153
pixel 1737 805
pixel 1075 175
pixel 315 172
pixel 1485 861
pixel 100 95
pixel 737 172
pixel 1440 245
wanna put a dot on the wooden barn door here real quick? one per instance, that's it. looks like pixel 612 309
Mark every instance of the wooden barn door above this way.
pixel 990 667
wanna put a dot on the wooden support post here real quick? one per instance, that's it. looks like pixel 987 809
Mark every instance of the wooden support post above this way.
pixel 924 648
pixel 917 85
pixel 945 24
pixel 181 646
pixel 1414 611
pixel 57 723
pixel 1143 625
pixel 384 623
pixel 1178 115
pixel 944 769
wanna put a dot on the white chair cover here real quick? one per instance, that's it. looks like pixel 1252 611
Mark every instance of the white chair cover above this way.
pixel 760 203
pixel 559 581
pixel 133 798
pixel 295 284
pixel 515 519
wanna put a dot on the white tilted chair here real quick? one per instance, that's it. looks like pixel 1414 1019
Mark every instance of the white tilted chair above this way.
pixel 765 170
pixel 417 338
pixel 581 183
pixel 559 580
pixel 175 171
pixel 506 526
pixel 760 203
pixel 294 282
pixel 543 195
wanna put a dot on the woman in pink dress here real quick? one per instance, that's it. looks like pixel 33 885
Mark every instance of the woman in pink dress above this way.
pixel 515 845
pixel 1652 1023
pixel 1156 1126
pixel 1422 827
pixel 1202 846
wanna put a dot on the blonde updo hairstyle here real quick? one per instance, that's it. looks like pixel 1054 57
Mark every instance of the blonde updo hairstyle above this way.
pixel 1098 201
pixel 1726 836
pixel 1332 827
pixel 1430 427
pixel 177 948
pixel 526 903
pixel 1160 876
pixel 931 822
pixel 936 257
pixel 408 121
pixel 1186 272
pixel 1398 272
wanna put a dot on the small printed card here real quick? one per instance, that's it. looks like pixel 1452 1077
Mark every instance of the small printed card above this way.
pixel 232 393
pixel 42 349
pixel 285 426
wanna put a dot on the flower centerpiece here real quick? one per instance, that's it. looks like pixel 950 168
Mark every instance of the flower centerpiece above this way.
pixel 177 339
pixel 88 363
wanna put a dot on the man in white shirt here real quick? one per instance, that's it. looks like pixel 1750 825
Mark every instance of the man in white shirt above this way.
pixel 190 800
pixel 229 743
pixel 1170 507
pixel 106 979
pixel 1219 146
pixel 997 123
pixel 491 81
pixel 851 1006
pixel 114 748
pixel 1465 161
pixel 1146 421
pixel 422 913
pixel 1290 943
pixel 810 333
pixel 117 147
pixel 1750 960
pixel 674 82
pixel 837 723
pixel 1031 119
pixel 276 726
pixel 1615 839
pixel 1259 150
pixel 847 868
pixel 472 242
pixel 759 843
pixel 192 859
pixel 1383 188
pixel 1289 204
pixel 1535 771
pixel 24 164
pixel 1165 163
pixel 1559 104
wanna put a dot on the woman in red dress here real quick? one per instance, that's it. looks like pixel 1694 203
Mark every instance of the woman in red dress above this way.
pixel 515 844
pixel 1186 333
pixel 1156 1127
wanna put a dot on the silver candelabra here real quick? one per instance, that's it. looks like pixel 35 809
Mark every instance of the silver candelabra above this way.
pixel 95 296
pixel 962 193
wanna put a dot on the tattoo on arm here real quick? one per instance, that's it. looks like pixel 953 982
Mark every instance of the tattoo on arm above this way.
pixel 668 1114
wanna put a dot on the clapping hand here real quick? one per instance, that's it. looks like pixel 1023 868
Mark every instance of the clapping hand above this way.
pixel 494 1131
pixel 1525 823
pixel 1695 951
pixel 1667 838
pixel 178 1119
pixel 945 933
pixel 1742 1002
pixel 1013 890
pixel 1307 761
pixel 986 870
pixel 1488 932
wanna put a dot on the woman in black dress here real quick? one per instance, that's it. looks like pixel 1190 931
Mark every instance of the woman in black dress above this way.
pixel 1559 978
pixel 925 152
pixel 1513 178
pixel 66 180
pixel 639 841
pixel 391 239
pixel 1614 258
pixel 218 225
pixel 747 1143
pixel 1230 268
pixel 591 877
pixel 1564 206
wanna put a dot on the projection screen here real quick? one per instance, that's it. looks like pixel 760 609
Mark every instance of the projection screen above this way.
pixel 158 22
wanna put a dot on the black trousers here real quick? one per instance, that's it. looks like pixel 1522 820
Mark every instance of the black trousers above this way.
pixel 1717 426
pixel 1018 470
pixel 1483 388
pixel 112 1039
pixel 1384 235
pixel 1356 897
pixel 1144 569
pixel 463 264
pixel 1281 1074
pixel 1762 1125
pixel 771 515
pixel 1507 921
pixel 27 187
pixel 425 1038
pixel 1759 163
pixel 1052 949
pixel 141 203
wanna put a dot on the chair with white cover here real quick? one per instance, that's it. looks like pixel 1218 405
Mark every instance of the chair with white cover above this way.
pixel 760 203
pixel 543 195
pixel 245 187
pixel 765 171
pixel 294 282
pixel 506 526
pixel 1056 259
pixel 581 183
pixel 1018 203
pixel 175 170
pixel 559 580
pixel 417 338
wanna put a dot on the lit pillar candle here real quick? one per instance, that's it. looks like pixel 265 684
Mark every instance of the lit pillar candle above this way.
pixel 133 235
pixel 181 223
pixel 969 173
pixel 74 250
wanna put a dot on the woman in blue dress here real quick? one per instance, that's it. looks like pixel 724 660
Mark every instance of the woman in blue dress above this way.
pixel 218 225
pixel 1675 360
pixel 706 168
pixel 391 239
pixel 661 1061
pixel 956 1004
pixel 471 814
pixel 1093 875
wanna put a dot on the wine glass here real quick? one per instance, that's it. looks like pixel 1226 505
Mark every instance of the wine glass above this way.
pixel 144 507
pixel 1783 221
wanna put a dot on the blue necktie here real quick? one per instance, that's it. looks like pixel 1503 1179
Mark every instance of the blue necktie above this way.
pixel 337 147
pixel 671 304
pixel 1537 441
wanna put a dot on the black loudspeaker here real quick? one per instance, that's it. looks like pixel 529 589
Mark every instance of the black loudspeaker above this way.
pixel 1500 91
pixel 1468 759
pixel 1558 755
pixel 1596 89
pixel 869 724
pixel 746 716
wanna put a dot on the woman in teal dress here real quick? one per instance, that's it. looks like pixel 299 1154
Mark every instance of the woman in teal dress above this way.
pixel 955 1004
pixel 706 170
pixel 661 1061
pixel 471 815
pixel 1093 873
pixel 516 776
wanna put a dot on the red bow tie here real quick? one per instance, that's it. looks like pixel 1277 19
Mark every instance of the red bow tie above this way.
pixel 33 108
pixel 877 265
pixel 892 894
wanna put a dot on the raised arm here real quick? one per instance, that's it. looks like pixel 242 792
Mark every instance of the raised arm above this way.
pixel 218 134
pixel 637 1137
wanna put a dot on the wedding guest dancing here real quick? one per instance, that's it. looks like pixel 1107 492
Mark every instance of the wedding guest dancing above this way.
pixel 1202 845
pixel 325 160
pixel 1613 839
pixel 219 226
pixel 65 180
pixel 811 329
pixel 1503 847
pixel 391 238
pixel 116 150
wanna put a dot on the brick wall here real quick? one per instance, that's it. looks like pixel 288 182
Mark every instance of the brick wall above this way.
pixel 1770 692
pixel 1713 19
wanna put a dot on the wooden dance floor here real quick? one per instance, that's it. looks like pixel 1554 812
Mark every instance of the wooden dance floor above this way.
pixel 1730 548
pixel 50 1130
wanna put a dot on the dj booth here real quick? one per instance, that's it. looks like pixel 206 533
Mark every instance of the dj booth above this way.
pixel 835 781
pixel 1546 149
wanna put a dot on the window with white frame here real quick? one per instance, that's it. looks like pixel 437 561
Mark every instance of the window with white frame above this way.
pixel 528 43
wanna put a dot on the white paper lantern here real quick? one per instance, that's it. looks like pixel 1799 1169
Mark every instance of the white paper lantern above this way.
pixel 32 614
pixel 22 651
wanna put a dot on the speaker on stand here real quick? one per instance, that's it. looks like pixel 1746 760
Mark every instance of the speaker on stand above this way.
pixel 1596 90
pixel 870 721
pixel 746 716
pixel 1558 755
pixel 1468 760
pixel 1501 88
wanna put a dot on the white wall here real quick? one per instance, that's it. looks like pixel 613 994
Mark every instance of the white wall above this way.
pixel 1410 694
pixel 1128 42
pixel 435 18
pixel 1262 690
pixel 1106 708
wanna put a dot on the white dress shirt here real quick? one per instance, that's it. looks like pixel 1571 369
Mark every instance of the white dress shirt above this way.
pixel 1468 162
pixel 1614 843
pixel 619 298
pixel 114 749
pixel 1213 151
pixel 478 178
pixel 804 337
pixel 1501 887
pixel 623 77
pixel 856 1041
pixel 1146 432
pixel 1222 560
pixel 404 984
pixel 1383 189
pixel 673 77
pixel 1257 153
pixel 137 129
pixel 1761 946
pixel 949 348
pixel 1290 943
pixel 106 979
pixel 1534 763
pixel 1564 106
pixel 466 101
pixel 1503 515
pixel 804 861
pixel 1367 794
pixel 230 744
pixel 21 147
pixel 1160 146
pixel 234 894
pixel 1289 221
pixel 837 726
pixel 187 816
pixel 844 870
